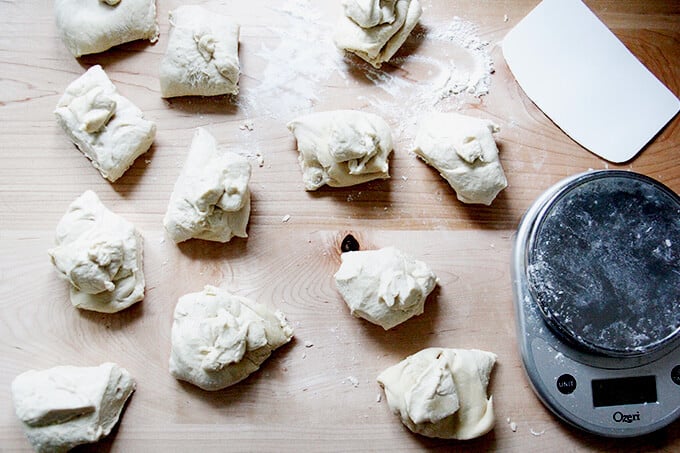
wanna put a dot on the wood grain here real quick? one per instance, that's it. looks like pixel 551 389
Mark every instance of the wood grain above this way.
pixel 302 398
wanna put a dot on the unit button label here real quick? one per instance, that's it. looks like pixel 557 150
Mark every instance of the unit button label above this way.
pixel 675 374
pixel 566 384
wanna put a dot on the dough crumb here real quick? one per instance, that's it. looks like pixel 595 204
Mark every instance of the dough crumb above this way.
pixel 285 218
pixel 513 426
pixel 505 18
pixel 378 398
pixel 308 344
pixel 354 381
pixel 536 433
pixel 247 126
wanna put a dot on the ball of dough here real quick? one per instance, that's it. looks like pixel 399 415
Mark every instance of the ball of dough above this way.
pixel 385 287
pixel 211 199
pixel 202 55
pixel 108 128
pixel 218 338
pixel 342 148
pixel 441 392
pixel 463 149
pixel 66 406
pixel 93 26
pixel 375 29
pixel 100 254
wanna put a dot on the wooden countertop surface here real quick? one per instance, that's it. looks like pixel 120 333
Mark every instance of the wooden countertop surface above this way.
pixel 302 398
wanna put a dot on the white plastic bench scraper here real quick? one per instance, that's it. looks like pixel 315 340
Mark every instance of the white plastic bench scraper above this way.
pixel 582 77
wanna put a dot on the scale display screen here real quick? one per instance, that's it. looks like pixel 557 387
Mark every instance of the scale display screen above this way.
pixel 620 391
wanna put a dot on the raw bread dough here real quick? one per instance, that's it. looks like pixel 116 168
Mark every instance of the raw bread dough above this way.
pixel 93 26
pixel 385 287
pixel 65 406
pixel 342 148
pixel 202 55
pixel 375 29
pixel 100 254
pixel 211 199
pixel 108 128
pixel 462 148
pixel 441 392
pixel 218 338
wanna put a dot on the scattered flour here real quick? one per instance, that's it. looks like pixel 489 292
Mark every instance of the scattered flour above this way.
pixel 451 65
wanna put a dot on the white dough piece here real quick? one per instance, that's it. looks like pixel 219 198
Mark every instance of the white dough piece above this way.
pixel 65 406
pixel 385 287
pixel 219 339
pixel 375 29
pixel 100 254
pixel 109 129
pixel 211 199
pixel 202 55
pixel 342 148
pixel 441 392
pixel 93 26
pixel 463 149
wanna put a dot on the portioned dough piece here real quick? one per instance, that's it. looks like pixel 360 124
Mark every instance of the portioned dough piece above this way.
pixel 375 29
pixel 441 392
pixel 202 55
pixel 342 148
pixel 93 26
pixel 65 406
pixel 385 287
pixel 463 149
pixel 211 199
pixel 100 254
pixel 109 129
pixel 218 338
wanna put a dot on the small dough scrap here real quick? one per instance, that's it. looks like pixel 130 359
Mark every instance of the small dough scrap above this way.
pixel 386 286
pixel 440 392
pixel 463 149
pixel 342 148
pixel 65 406
pixel 219 339
pixel 109 129
pixel 93 26
pixel 211 199
pixel 100 254
pixel 375 29
pixel 202 55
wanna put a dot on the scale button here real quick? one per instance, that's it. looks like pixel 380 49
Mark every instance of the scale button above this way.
pixel 566 384
pixel 675 374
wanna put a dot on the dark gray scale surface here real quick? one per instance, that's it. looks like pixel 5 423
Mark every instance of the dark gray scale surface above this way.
pixel 604 264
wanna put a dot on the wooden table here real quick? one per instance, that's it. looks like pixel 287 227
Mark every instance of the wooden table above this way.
pixel 303 398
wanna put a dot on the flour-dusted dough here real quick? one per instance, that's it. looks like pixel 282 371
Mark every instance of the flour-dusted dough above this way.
pixel 100 254
pixel 93 26
pixel 441 392
pixel 386 286
pixel 218 338
pixel 211 199
pixel 375 29
pixel 342 148
pixel 463 149
pixel 202 55
pixel 109 129
pixel 65 406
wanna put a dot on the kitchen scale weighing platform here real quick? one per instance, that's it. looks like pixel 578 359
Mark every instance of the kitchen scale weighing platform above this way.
pixel 596 280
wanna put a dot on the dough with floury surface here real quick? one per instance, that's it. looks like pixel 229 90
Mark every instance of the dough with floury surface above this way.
pixel 202 55
pixel 440 392
pixel 105 126
pixel 93 26
pixel 219 339
pixel 100 254
pixel 385 287
pixel 211 198
pixel 66 406
pixel 342 148
pixel 374 30
pixel 463 149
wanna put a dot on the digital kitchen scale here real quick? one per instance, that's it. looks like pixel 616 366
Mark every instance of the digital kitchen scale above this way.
pixel 596 280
